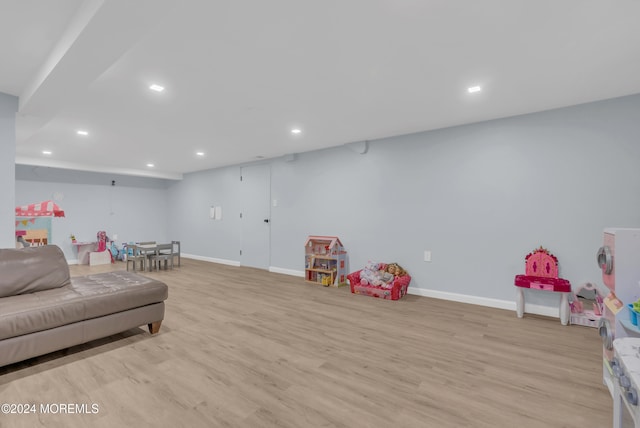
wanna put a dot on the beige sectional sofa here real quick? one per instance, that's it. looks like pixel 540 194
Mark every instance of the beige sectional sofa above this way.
pixel 43 309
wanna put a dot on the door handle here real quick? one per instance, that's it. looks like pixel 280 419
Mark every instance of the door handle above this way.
pixel 266 220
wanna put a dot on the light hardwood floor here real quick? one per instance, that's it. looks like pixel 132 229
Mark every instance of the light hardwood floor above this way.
pixel 241 347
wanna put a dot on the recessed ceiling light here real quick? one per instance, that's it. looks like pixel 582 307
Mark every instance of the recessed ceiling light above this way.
pixel 150 165
pixel 296 131
pixel 81 132
pixel 473 89
pixel 200 153
pixel 46 152
pixel 156 88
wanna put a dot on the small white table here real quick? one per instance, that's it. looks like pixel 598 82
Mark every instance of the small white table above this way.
pixel 83 249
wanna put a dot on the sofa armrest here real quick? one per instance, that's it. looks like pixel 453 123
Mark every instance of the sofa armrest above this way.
pixel 354 278
pixel 400 285
pixel 32 269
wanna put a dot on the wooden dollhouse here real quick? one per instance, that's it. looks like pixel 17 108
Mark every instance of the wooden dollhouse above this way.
pixel 325 261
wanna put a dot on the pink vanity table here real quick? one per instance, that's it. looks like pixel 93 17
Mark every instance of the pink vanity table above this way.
pixel 541 273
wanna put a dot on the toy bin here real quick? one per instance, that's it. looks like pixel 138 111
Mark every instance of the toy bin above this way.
pixel 633 315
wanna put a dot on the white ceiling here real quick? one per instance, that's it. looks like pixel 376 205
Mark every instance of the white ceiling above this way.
pixel 240 74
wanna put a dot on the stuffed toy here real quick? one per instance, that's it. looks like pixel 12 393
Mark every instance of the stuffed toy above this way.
pixel 371 274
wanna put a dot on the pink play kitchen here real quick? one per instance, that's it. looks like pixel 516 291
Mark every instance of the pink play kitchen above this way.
pixel 619 259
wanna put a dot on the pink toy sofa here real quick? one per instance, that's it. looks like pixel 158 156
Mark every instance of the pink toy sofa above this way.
pixel 393 291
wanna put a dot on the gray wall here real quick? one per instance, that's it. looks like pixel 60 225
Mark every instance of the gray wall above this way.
pixel 8 109
pixel 480 197
pixel 189 204
pixel 135 209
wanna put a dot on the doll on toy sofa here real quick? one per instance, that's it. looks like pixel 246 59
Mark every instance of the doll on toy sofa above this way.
pixel 380 274
pixel 395 270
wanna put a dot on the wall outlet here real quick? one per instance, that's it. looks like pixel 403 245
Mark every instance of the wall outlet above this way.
pixel 427 255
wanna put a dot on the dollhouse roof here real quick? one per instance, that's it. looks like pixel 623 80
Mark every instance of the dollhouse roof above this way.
pixel 332 241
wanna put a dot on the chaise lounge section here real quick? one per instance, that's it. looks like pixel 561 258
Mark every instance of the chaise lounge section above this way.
pixel 43 309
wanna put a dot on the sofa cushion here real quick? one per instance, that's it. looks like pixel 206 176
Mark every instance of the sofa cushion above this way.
pixel 32 269
pixel 84 298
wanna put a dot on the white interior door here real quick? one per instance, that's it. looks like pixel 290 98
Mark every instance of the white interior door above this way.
pixel 255 219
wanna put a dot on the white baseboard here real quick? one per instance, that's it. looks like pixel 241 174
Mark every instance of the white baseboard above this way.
pixel 462 298
pixel 211 259
pixel 291 272
pixel 547 311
